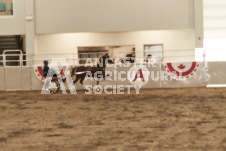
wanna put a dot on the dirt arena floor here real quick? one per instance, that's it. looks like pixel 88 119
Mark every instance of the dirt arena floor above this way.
pixel 188 119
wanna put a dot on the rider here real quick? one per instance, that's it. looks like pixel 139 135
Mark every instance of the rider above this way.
pixel 45 68
pixel 51 74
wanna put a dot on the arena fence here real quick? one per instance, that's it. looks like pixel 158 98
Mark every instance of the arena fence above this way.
pixel 216 72
pixel 25 78
pixel 193 73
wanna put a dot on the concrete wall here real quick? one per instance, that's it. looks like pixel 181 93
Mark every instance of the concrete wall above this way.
pixel 13 78
pixel 54 16
pixel 57 16
pixel 24 78
pixel 214 19
pixel 176 43
pixel 14 25
pixel 2 82
pixel 216 73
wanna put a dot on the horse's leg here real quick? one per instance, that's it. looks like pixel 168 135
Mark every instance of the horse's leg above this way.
pixel 82 78
pixel 73 72
pixel 77 78
pixel 98 81
pixel 103 73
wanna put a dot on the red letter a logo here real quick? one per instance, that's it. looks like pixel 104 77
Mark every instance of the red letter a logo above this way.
pixel 139 74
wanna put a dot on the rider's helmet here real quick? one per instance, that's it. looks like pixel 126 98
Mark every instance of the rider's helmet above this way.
pixel 45 62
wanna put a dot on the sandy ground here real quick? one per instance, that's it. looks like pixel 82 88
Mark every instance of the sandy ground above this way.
pixel 156 119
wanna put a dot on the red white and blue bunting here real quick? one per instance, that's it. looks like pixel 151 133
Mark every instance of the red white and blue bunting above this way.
pixel 181 71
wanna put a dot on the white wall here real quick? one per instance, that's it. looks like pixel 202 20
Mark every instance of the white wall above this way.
pixel 172 40
pixel 198 23
pixel 215 30
pixel 14 25
pixel 57 16
pixel 214 19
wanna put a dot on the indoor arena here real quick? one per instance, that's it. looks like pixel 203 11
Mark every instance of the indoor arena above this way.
pixel 112 75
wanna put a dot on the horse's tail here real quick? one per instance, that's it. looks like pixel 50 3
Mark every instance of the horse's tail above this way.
pixel 73 71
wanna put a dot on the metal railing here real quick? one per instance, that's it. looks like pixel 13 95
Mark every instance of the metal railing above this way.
pixel 74 60
pixel 13 54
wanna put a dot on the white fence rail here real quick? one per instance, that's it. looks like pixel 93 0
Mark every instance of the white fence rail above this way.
pixel 74 60
pixel 23 77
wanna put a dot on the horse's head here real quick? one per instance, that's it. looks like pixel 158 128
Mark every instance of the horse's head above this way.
pixel 104 60
pixel 108 59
